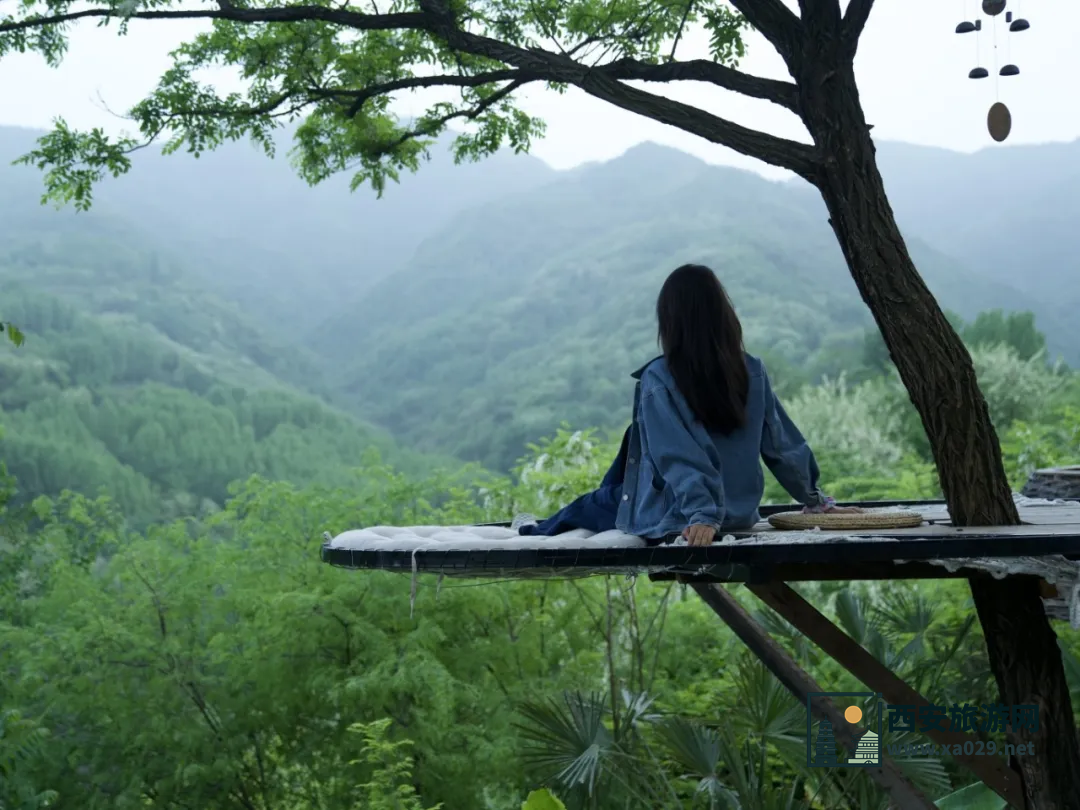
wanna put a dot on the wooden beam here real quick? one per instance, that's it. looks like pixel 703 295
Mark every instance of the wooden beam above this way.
pixel 820 572
pixel 993 771
pixel 904 795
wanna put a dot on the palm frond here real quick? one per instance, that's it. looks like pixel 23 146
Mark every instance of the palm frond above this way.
pixel 568 739
pixel 636 709
pixel 697 752
pixel 780 628
pixel 928 773
pixel 764 707
pixel 853 614
pixel 859 620
pixel 938 664
pixel 905 611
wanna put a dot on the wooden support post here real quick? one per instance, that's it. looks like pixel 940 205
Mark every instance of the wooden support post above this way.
pixel 904 795
pixel 993 771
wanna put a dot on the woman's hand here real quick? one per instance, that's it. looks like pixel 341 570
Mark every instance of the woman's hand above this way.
pixel 828 506
pixel 699 535
pixel 844 510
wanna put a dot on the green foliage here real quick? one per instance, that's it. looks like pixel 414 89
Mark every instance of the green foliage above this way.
pixel 542 799
pixel 1014 329
pixel 224 659
pixel 972 797
pixel 160 418
pixel 1011 332
pixel 74 160
pixel 13 333
pixel 331 68
pixel 388 787
pixel 21 740
pixel 1029 446
pixel 870 442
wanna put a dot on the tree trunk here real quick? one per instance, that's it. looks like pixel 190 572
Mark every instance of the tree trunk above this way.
pixel 937 370
pixel 1027 664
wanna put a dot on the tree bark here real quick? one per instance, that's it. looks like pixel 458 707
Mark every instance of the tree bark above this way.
pixel 1027 664
pixel 938 373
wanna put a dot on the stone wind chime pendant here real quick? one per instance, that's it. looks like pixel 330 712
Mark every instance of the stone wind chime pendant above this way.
pixel 998 119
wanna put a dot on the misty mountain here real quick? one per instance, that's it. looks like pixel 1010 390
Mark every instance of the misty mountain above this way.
pixel 254 233
pixel 533 310
pixel 476 307
pixel 1009 214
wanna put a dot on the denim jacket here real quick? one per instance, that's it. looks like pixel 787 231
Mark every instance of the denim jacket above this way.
pixel 679 474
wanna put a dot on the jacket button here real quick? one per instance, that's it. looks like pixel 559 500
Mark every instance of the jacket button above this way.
pixel 626 497
pixel 632 460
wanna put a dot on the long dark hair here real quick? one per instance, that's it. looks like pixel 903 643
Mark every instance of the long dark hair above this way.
pixel 702 341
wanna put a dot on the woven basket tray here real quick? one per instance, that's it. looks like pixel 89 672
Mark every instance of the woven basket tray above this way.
pixel 870 519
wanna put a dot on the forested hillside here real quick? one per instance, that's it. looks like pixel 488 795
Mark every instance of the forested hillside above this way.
pixel 136 382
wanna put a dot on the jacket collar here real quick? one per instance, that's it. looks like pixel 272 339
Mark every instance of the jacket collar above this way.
pixel 637 374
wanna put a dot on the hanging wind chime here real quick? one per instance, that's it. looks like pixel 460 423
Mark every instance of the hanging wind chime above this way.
pixel 999 119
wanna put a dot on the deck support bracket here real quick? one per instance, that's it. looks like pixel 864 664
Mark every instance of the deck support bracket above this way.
pixel 834 642
pixel 904 794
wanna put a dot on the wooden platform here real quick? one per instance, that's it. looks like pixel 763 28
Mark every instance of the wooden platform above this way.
pixel 767 559
pixel 764 554
pixel 1047 530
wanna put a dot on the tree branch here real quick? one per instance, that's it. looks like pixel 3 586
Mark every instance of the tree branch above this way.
pixel 469 114
pixel 858 12
pixel 682 27
pixel 226 11
pixel 271 107
pixel 796 157
pixel 365 94
pixel 776 22
pixel 783 93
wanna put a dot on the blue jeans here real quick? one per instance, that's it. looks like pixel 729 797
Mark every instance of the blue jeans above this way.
pixel 595 511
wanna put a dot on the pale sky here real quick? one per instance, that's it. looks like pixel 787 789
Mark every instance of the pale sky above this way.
pixel 912 71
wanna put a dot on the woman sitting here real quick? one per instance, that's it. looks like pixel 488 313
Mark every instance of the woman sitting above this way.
pixel 704 415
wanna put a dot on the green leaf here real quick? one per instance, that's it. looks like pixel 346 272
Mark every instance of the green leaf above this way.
pixel 13 333
pixel 542 799
pixel 725 29
pixel 972 797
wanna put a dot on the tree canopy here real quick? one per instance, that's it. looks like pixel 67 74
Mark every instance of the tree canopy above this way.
pixel 337 68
